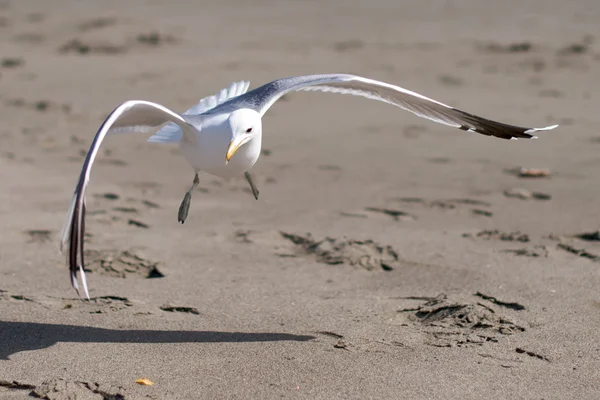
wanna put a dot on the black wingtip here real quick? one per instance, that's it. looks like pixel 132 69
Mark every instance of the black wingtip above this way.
pixel 75 256
pixel 498 129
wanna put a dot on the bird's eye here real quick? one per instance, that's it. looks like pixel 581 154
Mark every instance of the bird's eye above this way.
pixel 248 130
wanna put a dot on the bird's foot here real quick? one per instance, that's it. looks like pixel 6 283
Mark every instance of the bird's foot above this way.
pixel 255 191
pixel 184 208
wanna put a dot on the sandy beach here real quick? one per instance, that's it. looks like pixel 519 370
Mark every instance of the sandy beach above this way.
pixel 387 257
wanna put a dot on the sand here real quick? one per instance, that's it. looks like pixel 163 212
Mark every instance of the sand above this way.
pixel 387 257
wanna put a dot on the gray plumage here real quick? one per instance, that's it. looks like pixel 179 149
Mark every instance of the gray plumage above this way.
pixel 263 97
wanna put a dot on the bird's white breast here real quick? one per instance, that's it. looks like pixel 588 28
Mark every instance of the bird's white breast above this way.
pixel 208 153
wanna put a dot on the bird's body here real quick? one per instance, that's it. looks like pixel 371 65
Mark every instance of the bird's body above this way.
pixel 222 134
pixel 212 140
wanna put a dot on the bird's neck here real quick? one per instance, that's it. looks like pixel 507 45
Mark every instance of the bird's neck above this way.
pixel 252 149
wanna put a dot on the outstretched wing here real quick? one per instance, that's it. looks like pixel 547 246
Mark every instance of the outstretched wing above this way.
pixel 262 98
pixel 131 116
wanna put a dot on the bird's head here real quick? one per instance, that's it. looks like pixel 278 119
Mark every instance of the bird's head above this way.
pixel 245 125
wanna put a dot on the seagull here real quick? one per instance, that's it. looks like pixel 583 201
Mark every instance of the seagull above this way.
pixel 222 135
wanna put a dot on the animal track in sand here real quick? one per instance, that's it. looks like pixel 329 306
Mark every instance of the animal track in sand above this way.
pixel 495 234
pixel 591 238
pixel 397 215
pixel 507 304
pixel 59 388
pixel 535 251
pixel 121 264
pixel 107 158
pixel 516 47
pixel 516 236
pixel 108 196
pixel 98 47
pixel 180 309
pixel 16 385
pixel 364 253
pixel 101 304
pixel 137 223
pixel 462 322
pixel 483 213
pixel 9 62
pixel 450 204
pixel 38 235
pixel 358 344
pixel 115 196
pixel 524 57
pixel 579 252
pixel 38 105
pixel 6 296
pixel 114 212
pixel 532 354
pixel 96 305
pixel 97 23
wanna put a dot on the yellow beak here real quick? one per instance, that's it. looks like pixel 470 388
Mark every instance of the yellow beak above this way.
pixel 234 145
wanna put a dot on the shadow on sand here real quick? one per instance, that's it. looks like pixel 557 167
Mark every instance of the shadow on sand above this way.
pixel 23 336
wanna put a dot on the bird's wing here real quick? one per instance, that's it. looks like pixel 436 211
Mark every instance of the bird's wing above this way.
pixel 233 90
pixel 171 133
pixel 131 116
pixel 263 97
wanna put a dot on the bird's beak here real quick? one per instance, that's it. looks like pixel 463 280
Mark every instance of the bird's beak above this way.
pixel 234 145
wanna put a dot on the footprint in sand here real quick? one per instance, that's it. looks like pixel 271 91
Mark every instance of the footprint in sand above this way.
pixel 363 253
pixel 121 264
pixel 116 212
pixel 495 234
pixel 449 321
pixel 38 235
pixel 450 204
pixel 96 305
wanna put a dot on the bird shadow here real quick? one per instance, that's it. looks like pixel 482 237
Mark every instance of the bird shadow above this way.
pixel 24 336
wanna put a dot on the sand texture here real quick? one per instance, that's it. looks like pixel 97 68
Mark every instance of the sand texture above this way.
pixel 387 257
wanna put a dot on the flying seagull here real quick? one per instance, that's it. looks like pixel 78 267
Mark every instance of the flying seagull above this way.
pixel 230 123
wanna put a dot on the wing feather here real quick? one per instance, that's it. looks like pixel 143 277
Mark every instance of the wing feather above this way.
pixel 171 133
pixel 262 98
pixel 134 115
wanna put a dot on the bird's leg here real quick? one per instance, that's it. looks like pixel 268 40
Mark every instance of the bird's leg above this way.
pixel 252 185
pixel 185 204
